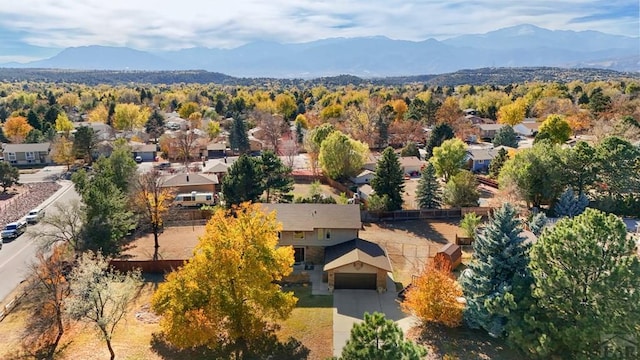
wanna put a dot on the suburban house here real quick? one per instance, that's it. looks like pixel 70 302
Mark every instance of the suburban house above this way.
pixel 103 131
pixel 27 154
pixel 478 160
pixel 328 234
pixel 411 165
pixel 364 191
pixel 216 150
pixel 364 177
pixel 219 169
pixel 147 152
pixel 187 182
pixel 371 162
pixel 529 128
pixel 489 131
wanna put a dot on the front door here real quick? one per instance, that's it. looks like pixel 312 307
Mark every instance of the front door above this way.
pixel 298 255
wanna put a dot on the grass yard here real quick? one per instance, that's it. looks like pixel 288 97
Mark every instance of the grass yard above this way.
pixel 311 323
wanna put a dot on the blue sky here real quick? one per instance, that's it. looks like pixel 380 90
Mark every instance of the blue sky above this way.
pixel 162 24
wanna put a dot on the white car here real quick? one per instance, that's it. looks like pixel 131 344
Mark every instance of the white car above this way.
pixel 34 216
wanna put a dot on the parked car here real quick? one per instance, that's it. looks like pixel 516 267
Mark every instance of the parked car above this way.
pixel 138 159
pixel 13 230
pixel 34 216
pixel 163 165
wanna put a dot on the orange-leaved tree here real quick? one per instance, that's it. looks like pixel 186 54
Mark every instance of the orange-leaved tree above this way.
pixel 16 129
pixel 227 295
pixel 434 296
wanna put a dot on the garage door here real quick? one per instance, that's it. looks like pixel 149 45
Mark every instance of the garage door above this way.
pixel 355 281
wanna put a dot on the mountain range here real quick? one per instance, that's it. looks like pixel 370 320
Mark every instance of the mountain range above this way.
pixel 518 46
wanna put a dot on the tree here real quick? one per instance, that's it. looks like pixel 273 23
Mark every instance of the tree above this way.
pixel 84 141
pixel 120 167
pixel 100 295
pixel 153 200
pixel 63 224
pixel 227 294
pixel 439 134
pixel 506 137
pixel 428 193
pixel 286 106
pixel 536 172
pixel 514 113
pixel 469 224
pixel 238 137
pixel 580 166
pixel 187 142
pixel 34 120
pixel 497 163
pixel 320 133
pixel 47 292
pixel 9 175
pixel 155 125
pixel 62 152
pixel 276 177
pixel 389 179
pixel 448 158
pixel 16 129
pixel 461 190
pixel 342 157
pixel 63 124
pixel 129 116
pixel 213 129
pixel 434 297
pixel 537 223
pixel 378 338
pixel 598 102
pixel 34 136
pixel 99 114
pixel 586 276
pixel 500 258
pixel 188 108
pixel 449 112
pixel 411 149
pixel 618 162
pixel 242 182
pixel 272 126
pixel 571 204
pixel 554 128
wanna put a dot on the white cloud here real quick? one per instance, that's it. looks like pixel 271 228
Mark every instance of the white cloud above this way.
pixel 161 24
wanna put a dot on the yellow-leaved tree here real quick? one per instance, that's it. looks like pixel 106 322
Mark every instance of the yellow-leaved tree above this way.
pixel 514 113
pixel 63 124
pixel 99 114
pixel 129 116
pixel 62 152
pixel 434 296
pixel 227 295
pixel 152 199
pixel 16 129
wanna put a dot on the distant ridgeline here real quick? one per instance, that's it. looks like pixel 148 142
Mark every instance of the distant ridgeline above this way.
pixel 483 76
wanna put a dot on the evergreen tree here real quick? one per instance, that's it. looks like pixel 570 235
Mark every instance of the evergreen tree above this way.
pixel 389 179
pixel 506 137
pixel 570 204
pixel 586 278
pixel 238 137
pixel 155 125
pixel 299 133
pixel 439 134
pixel 242 182
pixel 9 175
pixel 51 115
pixel 34 120
pixel 378 338
pixel 538 223
pixel 84 141
pixel 34 136
pixel 500 259
pixel 411 149
pixel 497 162
pixel 276 177
pixel 428 193
pixel 3 138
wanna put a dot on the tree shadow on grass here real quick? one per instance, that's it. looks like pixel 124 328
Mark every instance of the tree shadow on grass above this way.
pixel 266 348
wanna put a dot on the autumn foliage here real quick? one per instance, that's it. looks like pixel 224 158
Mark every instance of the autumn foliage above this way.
pixel 434 296
pixel 16 129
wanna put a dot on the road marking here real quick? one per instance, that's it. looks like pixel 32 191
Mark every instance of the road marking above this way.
pixel 16 254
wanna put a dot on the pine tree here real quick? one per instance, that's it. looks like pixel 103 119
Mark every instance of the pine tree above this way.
pixel 243 182
pixel 389 179
pixel 500 259
pixel 537 223
pixel 34 120
pixel 506 137
pixel 497 162
pixel 378 338
pixel 276 179
pixel 570 204
pixel 238 137
pixel 429 194
pixel 439 134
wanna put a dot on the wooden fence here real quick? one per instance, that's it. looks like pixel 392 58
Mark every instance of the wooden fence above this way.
pixel 398 215
pixel 147 266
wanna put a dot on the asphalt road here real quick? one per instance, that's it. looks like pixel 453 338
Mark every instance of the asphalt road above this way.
pixel 16 255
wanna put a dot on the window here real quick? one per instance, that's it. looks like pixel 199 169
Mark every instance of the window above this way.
pixel 298 255
pixel 327 234
pixel 298 235
pixel 30 155
pixel 324 234
pixel 11 156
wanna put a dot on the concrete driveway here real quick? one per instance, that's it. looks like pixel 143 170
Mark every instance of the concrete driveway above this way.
pixel 349 307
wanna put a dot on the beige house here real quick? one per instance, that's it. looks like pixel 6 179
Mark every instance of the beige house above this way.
pixel 27 154
pixel 184 183
pixel 328 234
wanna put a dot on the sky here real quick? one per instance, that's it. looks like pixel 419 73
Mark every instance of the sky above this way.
pixel 170 25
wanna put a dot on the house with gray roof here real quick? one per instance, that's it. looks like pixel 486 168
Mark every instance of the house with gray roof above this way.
pixel 27 154
pixel 328 234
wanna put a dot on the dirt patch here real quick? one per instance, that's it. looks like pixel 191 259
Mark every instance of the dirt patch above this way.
pixel 176 243
pixel 410 244
pixel 302 190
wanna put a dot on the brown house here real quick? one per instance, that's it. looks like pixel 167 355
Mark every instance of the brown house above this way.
pixel 328 234
pixel 185 183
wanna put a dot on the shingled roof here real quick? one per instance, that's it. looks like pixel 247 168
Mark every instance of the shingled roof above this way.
pixel 307 217
pixel 355 250
pixel 189 179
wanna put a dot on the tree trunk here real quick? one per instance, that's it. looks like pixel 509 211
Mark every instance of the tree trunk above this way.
pixel 113 354
pixel 155 239
pixel 60 325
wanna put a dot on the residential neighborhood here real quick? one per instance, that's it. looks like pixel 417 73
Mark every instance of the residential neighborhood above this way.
pixel 203 221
